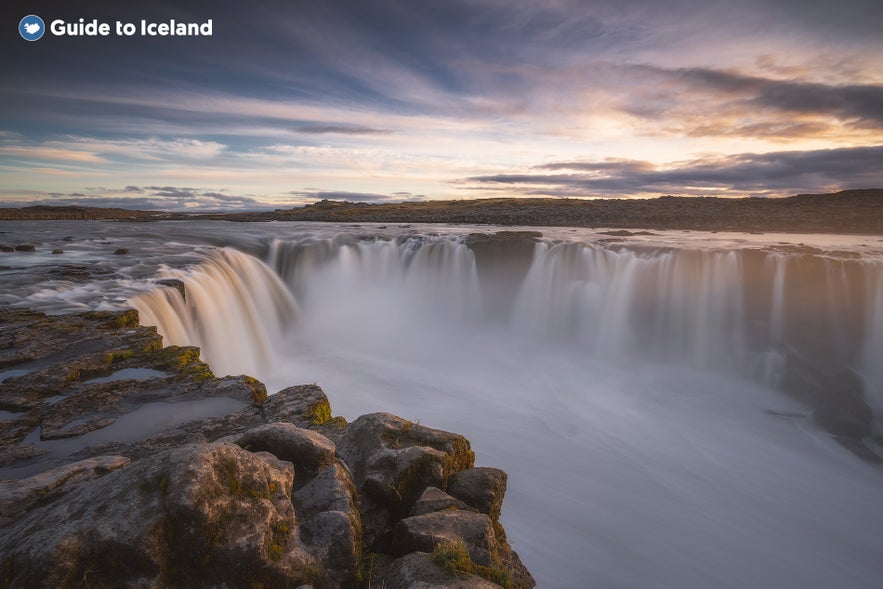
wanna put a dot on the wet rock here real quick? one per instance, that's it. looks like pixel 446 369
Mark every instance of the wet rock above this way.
pixel 174 283
pixel 121 251
pixel 434 499
pixel 502 260
pixel 482 488
pixel 201 515
pixel 58 251
pixel 6 248
pixel 25 247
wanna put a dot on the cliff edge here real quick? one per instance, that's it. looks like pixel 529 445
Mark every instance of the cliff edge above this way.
pixel 126 463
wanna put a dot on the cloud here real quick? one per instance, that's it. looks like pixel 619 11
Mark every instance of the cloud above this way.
pixel 341 130
pixel 341 195
pixel 778 173
pixel 62 154
pixel 859 103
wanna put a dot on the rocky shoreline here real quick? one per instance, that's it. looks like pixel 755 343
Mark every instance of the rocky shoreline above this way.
pixel 125 463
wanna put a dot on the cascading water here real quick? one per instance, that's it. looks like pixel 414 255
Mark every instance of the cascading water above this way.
pixel 627 389
pixel 236 310
pixel 702 308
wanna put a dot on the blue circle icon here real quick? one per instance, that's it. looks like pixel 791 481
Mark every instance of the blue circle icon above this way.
pixel 31 27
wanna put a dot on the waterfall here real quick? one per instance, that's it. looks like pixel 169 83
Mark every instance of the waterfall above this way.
pixel 758 312
pixel 235 308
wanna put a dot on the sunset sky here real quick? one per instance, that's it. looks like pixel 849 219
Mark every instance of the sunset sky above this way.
pixel 289 102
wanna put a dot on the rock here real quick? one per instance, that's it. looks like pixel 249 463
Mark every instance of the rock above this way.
pixel 176 284
pixel 25 247
pixel 180 505
pixel 417 571
pixel 120 251
pixel 434 499
pixel 6 248
pixel 482 488
pixel 304 405
pixel 307 450
pixel 19 496
pixel 328 509
pixel 58 251
pixel 502 260
pixel 201 515
pixel 330 490
pixel 337 543
pixel 392 461
pixel 422 533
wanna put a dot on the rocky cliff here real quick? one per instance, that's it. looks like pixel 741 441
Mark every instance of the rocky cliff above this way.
pixel 125 463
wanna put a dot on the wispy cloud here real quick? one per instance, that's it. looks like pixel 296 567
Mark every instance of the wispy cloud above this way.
pixel 778 174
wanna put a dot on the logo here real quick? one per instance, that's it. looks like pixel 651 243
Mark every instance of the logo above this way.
pixel 31 27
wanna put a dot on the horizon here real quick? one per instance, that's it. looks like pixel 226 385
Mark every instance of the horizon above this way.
pixel 286 104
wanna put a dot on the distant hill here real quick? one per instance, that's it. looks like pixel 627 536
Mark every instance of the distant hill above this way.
pixel 53 213
pixel 849 211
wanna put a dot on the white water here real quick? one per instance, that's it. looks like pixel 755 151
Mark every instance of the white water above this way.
pixel 627 389
pixel 627 392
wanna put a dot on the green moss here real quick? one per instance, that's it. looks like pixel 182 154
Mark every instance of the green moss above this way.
pixel 338 421
pixel 416 476
pixel 120 356
pixel 164 486
pixel 257 390
pixel 182 360
pixel 454 558
pixel 114 319
pixel 228 472
pixel 280 534
pixel 319 413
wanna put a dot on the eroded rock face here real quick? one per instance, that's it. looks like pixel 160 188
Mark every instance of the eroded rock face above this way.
pixel 239 490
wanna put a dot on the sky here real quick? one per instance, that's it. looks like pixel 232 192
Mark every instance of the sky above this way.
pixel 289 102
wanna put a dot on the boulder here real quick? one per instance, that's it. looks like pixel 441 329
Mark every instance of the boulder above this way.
pixel 330 526
pixel 393 461
pixel 307 450
pixel 25 247
pixel 304 405
pixel 422 533
pixel 434 499
pixel 482 488
pixel 121 251
pixel 200 515
pixel 418 571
